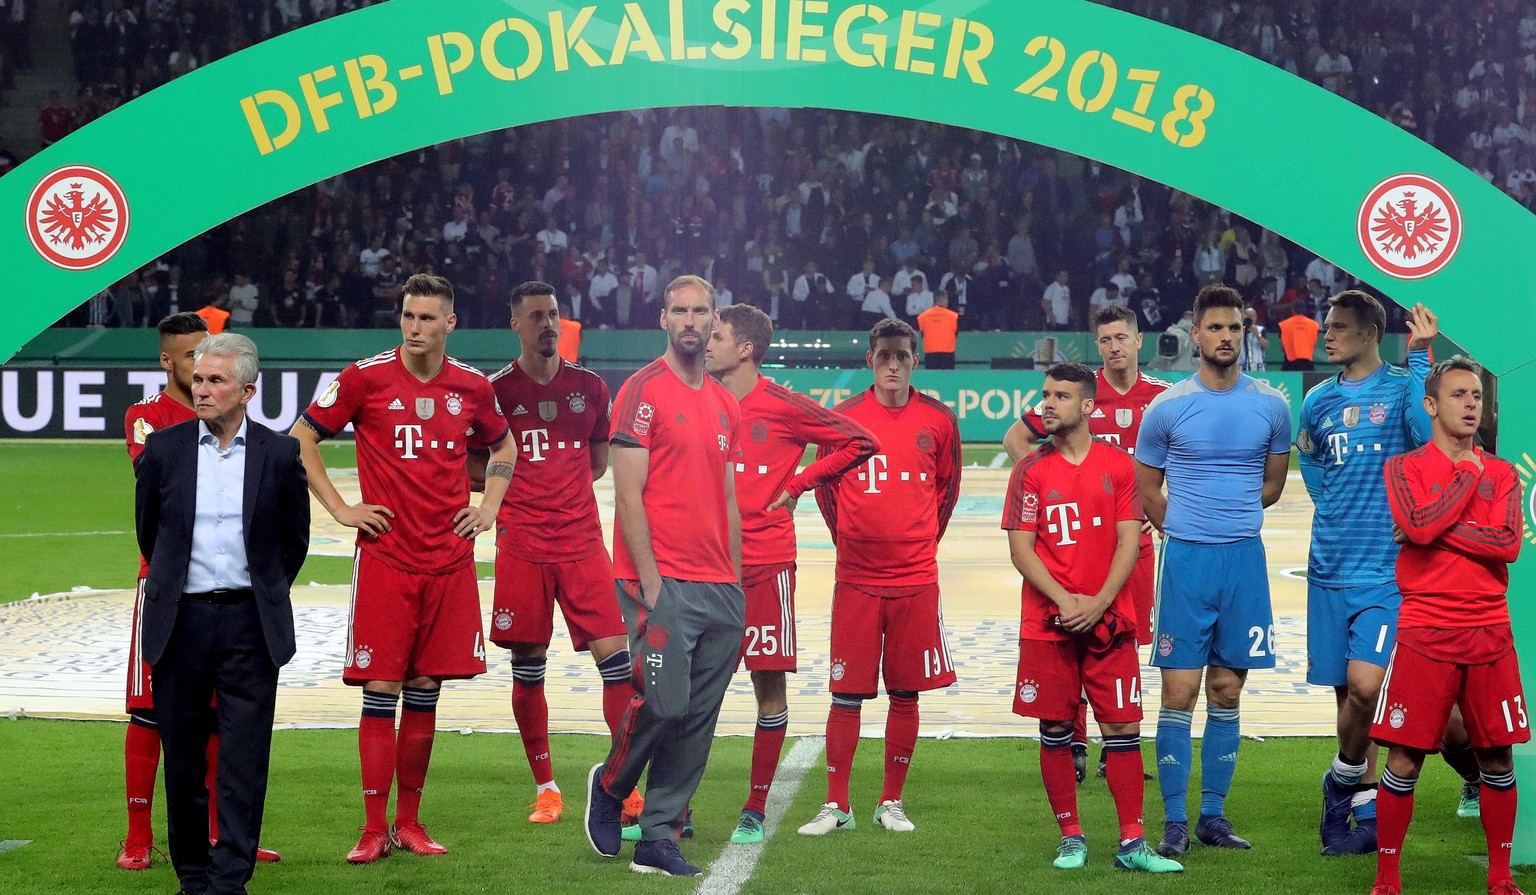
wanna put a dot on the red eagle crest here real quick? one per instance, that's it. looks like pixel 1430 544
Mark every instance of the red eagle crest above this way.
pixel 73 221
pixel 1407 230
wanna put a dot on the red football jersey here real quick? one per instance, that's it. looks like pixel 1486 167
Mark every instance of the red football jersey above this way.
pixel 691 435
pixel 1464 527
pixel 550 512
pixel 412 438
pixel 778 424
pixel 1073 511
pixel 149 415
pixel 886 520
pixel 1116 418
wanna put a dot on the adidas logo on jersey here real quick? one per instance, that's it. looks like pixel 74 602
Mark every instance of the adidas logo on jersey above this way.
pixel 519 410
pixel 1097 414
pixel 396 404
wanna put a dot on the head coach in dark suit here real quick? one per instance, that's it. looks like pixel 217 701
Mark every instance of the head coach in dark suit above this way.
pixel 222 513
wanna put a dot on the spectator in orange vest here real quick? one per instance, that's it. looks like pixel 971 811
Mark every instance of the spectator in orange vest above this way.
pixel 1298 334
pixel 569 346
pixel 940 327
pixel 214 315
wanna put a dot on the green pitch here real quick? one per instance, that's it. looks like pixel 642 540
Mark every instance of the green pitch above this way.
pixel 983 824
pixel 66 516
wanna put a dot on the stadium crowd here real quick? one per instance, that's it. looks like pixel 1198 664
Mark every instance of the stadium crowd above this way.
pixel 783 208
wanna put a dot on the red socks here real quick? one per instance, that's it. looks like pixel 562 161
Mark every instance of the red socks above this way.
pixel 1394 811
pixel 532 713
pixel 376 749
pixel 767 743
pixel 900 741
pixel 1060 780
pixel 1126 786
pixel 141 759
pixel 1499 799
pixel 413 750
pixel 842 742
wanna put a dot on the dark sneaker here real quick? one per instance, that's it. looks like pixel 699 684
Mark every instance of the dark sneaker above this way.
pixel 1359 841
pixel 1216 831
pixel 661 856
pixel 1080 760
pixel 603 812
pixel 1337 798
pixel 1175 839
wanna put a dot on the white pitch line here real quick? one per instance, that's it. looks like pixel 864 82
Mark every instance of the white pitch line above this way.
pixel 729 872
pixel 61 534
pixel 998 461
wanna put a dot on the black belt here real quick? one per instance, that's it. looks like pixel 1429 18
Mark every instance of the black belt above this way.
pixel 224 597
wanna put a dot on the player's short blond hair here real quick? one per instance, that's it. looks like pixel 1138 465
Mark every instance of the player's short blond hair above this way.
pixel 688 279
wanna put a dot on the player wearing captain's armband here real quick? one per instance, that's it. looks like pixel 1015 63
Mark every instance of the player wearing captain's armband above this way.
pixel 1073 518
pixel 1221 441
pixel 1458 515
pixel 778 424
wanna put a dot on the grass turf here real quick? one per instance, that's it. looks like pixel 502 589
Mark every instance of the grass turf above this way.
pixel 983 824
pixel 57 492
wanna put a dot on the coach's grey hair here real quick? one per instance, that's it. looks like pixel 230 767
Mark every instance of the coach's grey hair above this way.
pixel 241 348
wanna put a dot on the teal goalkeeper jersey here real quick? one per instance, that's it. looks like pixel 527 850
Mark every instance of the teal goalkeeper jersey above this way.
pixel 1348 432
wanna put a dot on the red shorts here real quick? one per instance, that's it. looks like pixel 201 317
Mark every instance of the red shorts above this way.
pixel 1418 693
pixel 402 625
pixel 1053 675
pixel 140 697
pixel 769 641
pixel 523 610
pixel 906 632
pixel 1140 584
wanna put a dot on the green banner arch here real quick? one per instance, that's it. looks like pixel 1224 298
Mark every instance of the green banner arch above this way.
pixel 1166 104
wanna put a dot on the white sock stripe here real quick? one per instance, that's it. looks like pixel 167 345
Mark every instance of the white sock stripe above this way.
pixel 1499 781
pixel 779 719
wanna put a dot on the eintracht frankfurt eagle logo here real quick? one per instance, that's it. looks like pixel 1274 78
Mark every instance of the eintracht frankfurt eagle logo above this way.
pixel 77 218
pixel 1409 226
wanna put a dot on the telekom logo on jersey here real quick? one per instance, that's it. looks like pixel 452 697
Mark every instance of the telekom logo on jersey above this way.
pixel 1338 442
pixel 408 440
pixel 877 470
pixel 535 443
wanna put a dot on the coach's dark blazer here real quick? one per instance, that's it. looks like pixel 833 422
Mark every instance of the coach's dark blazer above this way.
pixel 276 526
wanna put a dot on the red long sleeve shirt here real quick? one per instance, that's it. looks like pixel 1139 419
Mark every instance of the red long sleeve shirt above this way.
pixel 887 518
pixel 777 424
pixel 1463 527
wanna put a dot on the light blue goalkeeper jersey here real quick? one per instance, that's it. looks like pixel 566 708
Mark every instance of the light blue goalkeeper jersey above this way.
pixel 1348 431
